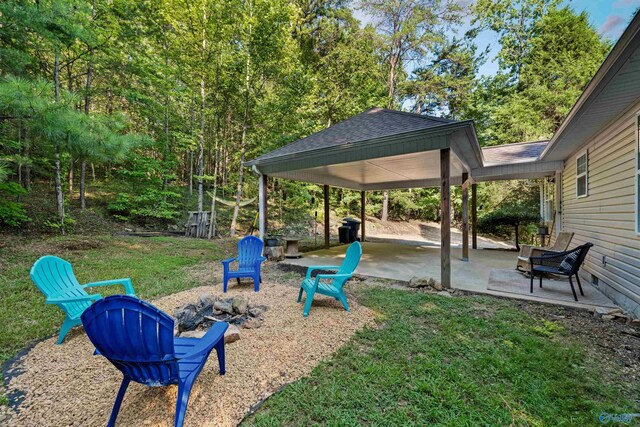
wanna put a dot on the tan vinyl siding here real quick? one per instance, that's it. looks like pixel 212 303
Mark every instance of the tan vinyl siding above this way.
pixel 606 217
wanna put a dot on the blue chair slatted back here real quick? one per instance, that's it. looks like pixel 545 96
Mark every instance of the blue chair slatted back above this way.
pixel 351 260
pixel 249 251
pixel 135 336
pixel 54 277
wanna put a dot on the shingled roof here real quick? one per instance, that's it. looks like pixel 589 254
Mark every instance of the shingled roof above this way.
pixel 513 153
pixel 371 124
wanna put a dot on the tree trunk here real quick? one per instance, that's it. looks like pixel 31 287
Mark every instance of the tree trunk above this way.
pixel 245 119
pixel 87 109
pixel 190 173
pixel 83 173
pixel 385 206
pixel 27 168
pixel 70 178
pixel 56 148
pixel 202 117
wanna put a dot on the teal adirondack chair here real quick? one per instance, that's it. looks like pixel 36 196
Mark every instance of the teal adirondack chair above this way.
pixel 55 279
pixel 331 284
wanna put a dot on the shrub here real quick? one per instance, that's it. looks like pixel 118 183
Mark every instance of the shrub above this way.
pixel 12 212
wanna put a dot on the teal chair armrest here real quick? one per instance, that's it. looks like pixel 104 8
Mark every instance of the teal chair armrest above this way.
pixel 331 276
pixel 321 267
pixel 128 286
pixel 62 300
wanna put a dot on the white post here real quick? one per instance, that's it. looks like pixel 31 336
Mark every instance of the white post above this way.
pixel 262 194
pixel 558 202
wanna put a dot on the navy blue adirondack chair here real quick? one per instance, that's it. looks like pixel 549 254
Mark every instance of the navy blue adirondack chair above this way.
pixel 137 338
pixel 55 279
pixel 249 260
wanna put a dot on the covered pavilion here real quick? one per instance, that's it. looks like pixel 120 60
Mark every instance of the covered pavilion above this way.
pixel 382 149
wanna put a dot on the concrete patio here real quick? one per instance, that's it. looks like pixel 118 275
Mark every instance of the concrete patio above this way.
pixel 488 271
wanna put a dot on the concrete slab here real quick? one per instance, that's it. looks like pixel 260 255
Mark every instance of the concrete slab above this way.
pixel 402 260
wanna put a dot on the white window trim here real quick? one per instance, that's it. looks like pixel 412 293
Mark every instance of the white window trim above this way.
pixel 585 174
pixel 636 176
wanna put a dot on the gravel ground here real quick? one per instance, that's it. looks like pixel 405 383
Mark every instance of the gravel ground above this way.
pixel 66 385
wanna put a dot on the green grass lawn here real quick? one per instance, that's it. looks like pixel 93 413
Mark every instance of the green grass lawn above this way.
pixel 155 265
pixel 472 361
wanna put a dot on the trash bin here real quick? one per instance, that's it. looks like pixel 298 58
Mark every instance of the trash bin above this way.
pixel 354 226
pixel 344 233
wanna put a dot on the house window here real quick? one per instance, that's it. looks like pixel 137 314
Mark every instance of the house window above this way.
pixel 582 175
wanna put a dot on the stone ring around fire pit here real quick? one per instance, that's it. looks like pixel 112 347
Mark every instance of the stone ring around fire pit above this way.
pixel 193 320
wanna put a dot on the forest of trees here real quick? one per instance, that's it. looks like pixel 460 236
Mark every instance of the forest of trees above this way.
pixel 143 109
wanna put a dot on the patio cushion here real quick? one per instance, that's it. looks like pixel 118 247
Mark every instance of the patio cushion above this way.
pixel 568 262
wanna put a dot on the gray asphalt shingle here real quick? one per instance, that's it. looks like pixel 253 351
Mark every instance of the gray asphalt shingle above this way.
pixel 371 124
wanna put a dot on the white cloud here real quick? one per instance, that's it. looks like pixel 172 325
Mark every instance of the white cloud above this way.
pixel 611 23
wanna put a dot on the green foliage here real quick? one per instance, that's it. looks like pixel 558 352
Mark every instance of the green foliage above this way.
pixel 518 207
pixel 12 213
pixel 150 207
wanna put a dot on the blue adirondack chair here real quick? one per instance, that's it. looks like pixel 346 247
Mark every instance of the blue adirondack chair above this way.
pixel 249 259
pixel 331 284
pixel 55 279
pixel 137 338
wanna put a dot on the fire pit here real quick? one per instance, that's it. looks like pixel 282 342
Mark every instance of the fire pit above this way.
pixel 193 320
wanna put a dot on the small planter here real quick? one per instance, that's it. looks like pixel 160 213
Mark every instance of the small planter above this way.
pixel 543 230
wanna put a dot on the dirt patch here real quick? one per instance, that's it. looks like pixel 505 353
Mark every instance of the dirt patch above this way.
pixel 78 245
pixel 67 385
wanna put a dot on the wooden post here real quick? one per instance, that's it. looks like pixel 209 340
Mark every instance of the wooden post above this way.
pixel 465 216
pixel 474 215
pixel 262 203
pixel 445 221
pixel 327 242
pixel 265 218
pixel 363 199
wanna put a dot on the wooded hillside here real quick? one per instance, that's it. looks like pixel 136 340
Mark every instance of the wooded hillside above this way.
pixel 145 109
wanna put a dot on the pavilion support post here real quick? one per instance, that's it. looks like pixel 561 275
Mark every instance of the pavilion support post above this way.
pixel 327 242
pixel 363 200
pixel 262 204
pixel 265 218
pixel 445 221
pixel 465 216
pixel 474 216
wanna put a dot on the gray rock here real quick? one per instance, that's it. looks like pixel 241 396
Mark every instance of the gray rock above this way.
pixel 418 282
pixel 252 323
pixel 193 334
pixel 206 302
pixel 239 305
pixel 435 285
pixel 444 294
pixel 188 317
pixel 256 312
pixel 232 334
pixel 634 322
pixel 223 306
pixel 607 317
pixel 607 310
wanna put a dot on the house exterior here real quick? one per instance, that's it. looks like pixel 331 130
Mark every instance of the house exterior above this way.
pixel 596 192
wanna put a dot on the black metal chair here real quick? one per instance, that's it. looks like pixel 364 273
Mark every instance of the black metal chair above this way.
pixel 561 263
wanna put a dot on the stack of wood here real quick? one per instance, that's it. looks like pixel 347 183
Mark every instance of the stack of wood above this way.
pixel 197 224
